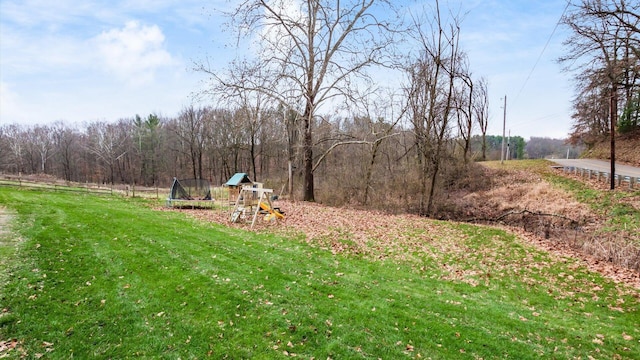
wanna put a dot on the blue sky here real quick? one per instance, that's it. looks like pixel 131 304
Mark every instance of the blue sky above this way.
pixel 90 60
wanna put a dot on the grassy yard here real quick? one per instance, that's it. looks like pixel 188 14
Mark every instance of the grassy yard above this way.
pixel 105 277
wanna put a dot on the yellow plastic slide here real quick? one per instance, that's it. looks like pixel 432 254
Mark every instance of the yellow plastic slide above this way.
pixel 266 207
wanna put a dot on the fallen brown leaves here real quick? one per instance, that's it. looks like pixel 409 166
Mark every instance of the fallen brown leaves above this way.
pixel 379 236
pixel 519 190
pixel 12 348
pixel 551 218
pixel 618 274
pixel 7 345
pixel 373 234
pixel 626 149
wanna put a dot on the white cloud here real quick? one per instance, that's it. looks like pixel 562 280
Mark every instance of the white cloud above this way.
pixel 135 52
pixel 78 61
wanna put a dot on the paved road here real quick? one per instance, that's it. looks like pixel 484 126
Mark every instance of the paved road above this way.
pixel 599 165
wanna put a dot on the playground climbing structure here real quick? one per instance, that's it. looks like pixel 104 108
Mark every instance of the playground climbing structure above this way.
pixel 252 201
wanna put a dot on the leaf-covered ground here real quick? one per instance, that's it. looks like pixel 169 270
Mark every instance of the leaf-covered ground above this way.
pixel 377 235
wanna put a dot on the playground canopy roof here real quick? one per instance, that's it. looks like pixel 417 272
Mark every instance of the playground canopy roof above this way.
pixel 239 179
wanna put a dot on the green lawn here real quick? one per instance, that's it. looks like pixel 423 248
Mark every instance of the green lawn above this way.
pixel 105 277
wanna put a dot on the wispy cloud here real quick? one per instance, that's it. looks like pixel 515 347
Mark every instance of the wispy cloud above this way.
pixel 30 54
pixel 31 14
pixel 135 52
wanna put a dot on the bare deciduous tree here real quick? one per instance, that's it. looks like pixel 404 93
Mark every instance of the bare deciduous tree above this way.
pixel 481 111
pixel 464 99
pixel 317 50
pixel 191 129
pixel 42 140
pixel 65 142
pixel 604 47
pixel 431 97
pixel 16 139
pixel 106 141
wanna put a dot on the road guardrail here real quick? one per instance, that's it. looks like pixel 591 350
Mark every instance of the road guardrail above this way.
pixel 600 175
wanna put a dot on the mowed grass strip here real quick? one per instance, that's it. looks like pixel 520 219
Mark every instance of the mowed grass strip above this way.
pixel 104 277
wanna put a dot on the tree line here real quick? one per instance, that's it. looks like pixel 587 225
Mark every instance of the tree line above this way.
pixel 361 159
pixel 303 109
pixel 305 114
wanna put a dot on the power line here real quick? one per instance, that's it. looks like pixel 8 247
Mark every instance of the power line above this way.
pixel 543 50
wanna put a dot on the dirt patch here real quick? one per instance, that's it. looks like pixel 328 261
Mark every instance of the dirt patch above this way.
pixel 5 219
pixel 8 242
pixel 6 239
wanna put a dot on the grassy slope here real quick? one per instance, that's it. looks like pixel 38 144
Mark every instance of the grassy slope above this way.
pixel 105 277
pixel 614 206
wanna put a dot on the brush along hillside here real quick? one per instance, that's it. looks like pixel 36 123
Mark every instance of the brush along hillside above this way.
pixel 104 277
pixel 562 210
pixel 627 149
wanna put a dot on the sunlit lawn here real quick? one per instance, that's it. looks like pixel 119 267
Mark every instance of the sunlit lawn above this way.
pixel 104 277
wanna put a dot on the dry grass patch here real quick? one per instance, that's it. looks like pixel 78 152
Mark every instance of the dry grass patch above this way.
pixel 538 197
pixel 5 218
pixel 599 225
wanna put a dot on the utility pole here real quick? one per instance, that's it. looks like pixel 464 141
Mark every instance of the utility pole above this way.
pixel 613 113
pixel 504 126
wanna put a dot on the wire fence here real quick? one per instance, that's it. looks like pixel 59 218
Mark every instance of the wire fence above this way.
pixel 51 184
pixel 221 199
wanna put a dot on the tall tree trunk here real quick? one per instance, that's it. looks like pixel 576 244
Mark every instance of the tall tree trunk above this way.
pixel 367 182
pixel 308 159
pixel 252 153
pixel 484 146
pixel 432 186
pixel 193 164
pixel 422 164
pixel 290 178
pixel 467 138
pixel 199 165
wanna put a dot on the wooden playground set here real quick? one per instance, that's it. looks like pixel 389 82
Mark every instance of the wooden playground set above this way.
pixel 244 199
